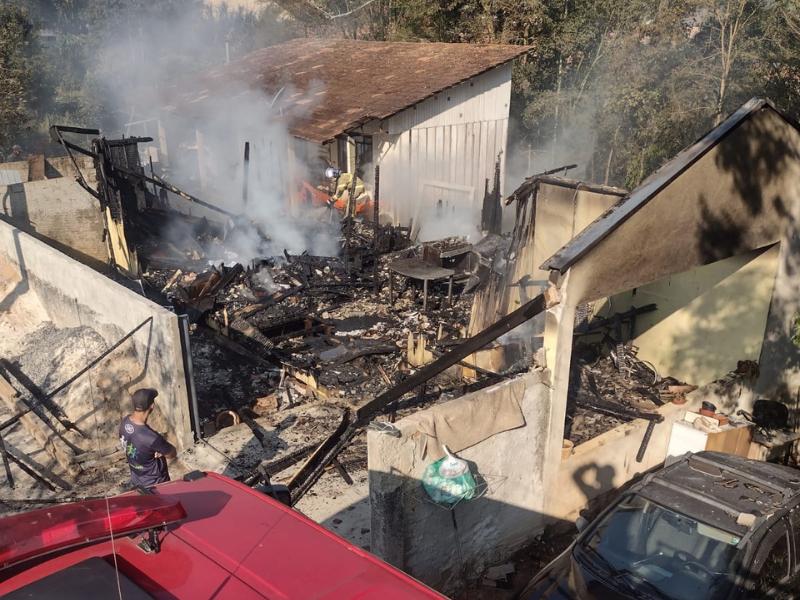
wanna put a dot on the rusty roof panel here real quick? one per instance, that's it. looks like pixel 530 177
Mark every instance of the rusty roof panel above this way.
pixel 344 83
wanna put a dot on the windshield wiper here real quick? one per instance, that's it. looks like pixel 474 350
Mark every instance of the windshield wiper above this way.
pixel 628 579
pixel 636 582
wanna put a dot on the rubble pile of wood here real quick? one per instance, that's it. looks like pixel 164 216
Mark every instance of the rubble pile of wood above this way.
pixel 324 328
pixel 612 388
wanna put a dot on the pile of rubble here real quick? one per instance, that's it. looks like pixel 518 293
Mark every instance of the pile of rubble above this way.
pixel 316 328
pixel 612 388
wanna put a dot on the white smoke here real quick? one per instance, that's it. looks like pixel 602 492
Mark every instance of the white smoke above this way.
pixel 158 70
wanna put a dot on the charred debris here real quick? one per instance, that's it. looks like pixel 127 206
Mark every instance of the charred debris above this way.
pixel 340 330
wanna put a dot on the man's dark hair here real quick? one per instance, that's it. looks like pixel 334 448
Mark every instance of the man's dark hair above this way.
pixel 143 398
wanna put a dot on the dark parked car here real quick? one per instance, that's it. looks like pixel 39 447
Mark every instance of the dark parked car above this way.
pixel 710 526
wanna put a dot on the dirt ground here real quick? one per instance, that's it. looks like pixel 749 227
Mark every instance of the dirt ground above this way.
pixel 526 564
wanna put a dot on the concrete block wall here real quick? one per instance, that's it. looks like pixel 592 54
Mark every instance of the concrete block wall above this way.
pixel 607 462
pixel 74 295
pixel 441 547
pixel 62 213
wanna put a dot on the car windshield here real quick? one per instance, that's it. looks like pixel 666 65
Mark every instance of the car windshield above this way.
pixel 650 548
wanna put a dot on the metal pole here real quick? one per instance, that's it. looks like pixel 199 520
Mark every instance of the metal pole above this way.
pixel 183 321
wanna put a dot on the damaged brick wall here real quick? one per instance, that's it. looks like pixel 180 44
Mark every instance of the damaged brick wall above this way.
pixel 59 212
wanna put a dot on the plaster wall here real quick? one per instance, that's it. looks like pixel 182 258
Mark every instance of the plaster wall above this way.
pixel 60 212
pixel 443 547
pixel 445 148
pixel 75 295
pixel 779 363
pixel 607 462
pixel 707 318
pixel 545 221
pixel 561 212
pixel 741 195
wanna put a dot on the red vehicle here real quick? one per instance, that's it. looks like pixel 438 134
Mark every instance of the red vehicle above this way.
pixel 206 536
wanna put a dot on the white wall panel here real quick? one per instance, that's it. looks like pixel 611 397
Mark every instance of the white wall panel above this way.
pixel 444 148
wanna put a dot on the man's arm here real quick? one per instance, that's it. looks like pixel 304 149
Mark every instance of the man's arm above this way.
pixel 163 448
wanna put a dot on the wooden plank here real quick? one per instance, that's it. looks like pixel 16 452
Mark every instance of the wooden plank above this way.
pixel 35 466
pixel 7 391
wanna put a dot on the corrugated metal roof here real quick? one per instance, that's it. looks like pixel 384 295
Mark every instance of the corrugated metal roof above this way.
pixel 344 83
pixel 587 239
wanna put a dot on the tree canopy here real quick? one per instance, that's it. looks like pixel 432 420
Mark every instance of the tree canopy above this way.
pixel 618 86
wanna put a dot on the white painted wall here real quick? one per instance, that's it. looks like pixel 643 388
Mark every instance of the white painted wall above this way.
pixel 443 549
pixel 444 147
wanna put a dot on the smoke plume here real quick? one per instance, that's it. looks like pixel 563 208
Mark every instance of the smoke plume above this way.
pixel 158 72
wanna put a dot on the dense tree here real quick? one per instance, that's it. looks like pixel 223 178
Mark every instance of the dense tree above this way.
pixel 15 73
pixel 618 86
pixel 82 61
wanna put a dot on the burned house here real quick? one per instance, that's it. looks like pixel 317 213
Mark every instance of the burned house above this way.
pixel 547 358
pixel 433 116
pixel 687 281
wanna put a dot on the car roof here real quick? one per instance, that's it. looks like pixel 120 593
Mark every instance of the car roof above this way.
pixel 716 488
pixel 235 543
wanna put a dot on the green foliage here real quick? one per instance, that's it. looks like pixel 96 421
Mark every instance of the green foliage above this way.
pixel 617 85
pixel 796 331
pixel 68 61
pixel 632 80
pixel 15 72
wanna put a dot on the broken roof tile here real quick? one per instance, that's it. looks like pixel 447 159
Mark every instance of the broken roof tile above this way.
pixel 413 72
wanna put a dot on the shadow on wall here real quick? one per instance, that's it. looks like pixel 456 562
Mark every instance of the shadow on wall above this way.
pixel 769 156
pixel 726 323
pixel 594 481
pixel 446 548
pixel 23 284
pixel 15 211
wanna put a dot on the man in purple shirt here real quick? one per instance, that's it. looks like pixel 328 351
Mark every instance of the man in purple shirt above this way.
pixel 146 450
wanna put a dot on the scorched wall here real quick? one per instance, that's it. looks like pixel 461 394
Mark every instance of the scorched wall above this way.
pixel 75 295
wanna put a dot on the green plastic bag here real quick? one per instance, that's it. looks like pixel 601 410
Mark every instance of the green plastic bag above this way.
pixel 448 480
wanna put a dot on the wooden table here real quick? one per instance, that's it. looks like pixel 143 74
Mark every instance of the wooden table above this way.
pixel 416 268
pixel 775 446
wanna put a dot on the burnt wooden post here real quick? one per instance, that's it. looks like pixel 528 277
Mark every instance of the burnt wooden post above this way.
pixel 376 228
pixel 246 172
pixel 6 465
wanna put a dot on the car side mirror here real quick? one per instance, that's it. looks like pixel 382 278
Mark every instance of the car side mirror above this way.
pixel 581 523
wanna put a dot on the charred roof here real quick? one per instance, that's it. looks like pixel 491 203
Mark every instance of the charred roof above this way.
pixel 344 83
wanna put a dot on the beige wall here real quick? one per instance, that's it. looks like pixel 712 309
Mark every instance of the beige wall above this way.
pixel 740 195
pixel 60 212
pixel 707 318
pixel 545 222
pixel 607 462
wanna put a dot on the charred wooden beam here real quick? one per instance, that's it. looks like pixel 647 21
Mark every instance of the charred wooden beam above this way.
pixel 313 468
pixel 264 304
pixel 514 319
pixel 376 225
pixel 274 467
pixel 6 465
pixel 320 458
pixel 593 326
